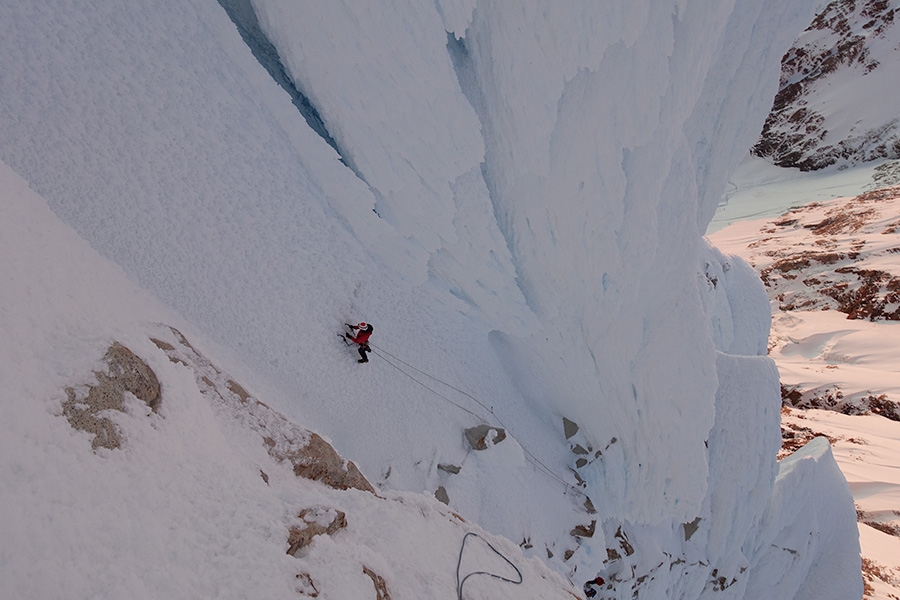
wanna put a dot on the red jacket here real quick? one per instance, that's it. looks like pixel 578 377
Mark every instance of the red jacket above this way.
pixel 362 336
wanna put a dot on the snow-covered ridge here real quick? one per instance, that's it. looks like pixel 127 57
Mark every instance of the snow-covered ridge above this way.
pixel 866 448
pixel 834 104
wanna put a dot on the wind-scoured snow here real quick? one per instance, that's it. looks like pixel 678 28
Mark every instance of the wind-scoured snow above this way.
pixel 518 212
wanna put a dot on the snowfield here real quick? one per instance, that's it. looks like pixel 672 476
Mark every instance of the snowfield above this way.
pixel 514 197
pixel 811 256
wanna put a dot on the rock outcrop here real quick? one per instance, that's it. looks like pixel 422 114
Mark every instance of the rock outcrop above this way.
pixel 313 522
pixel 482 437
pixel 309 454
pixel 125 372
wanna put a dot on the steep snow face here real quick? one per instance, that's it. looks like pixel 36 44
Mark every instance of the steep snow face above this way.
pixel 834 105
pixel 193 504
pixel 599 181
pixel 518 211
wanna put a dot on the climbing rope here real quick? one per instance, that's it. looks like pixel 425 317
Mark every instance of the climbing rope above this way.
pixel 468 395
pixel 460 583
pixel 378 351
pixel 383 354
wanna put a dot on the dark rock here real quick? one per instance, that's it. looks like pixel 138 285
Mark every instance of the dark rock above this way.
pixel 691 528
pixel 310 456
pixel 305 585
pixel 125 372
pixel 481 437
pixel 300 537
pixel 584 530
pixel 381 592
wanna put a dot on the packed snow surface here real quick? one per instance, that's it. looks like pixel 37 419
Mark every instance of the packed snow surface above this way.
pixel 518 211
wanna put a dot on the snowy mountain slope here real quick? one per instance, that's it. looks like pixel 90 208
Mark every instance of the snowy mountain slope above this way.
pixel 517 213
pixel 193 502
pixel 835 102
pixel 830 270
pixel 811 257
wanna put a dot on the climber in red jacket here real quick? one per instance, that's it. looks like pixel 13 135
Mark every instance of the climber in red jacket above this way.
pixel 590 587
pixel 363 332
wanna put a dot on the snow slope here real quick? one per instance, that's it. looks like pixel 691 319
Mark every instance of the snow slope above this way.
pixel 826 359
pixel 830 271
pixel 517 213
pixel 191 506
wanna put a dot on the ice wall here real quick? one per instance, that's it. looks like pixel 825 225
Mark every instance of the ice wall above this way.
pixel 601 136
pixel 608 134
pixel 806 545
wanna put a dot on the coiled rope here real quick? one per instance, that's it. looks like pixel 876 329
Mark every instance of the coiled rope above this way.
pixel 461 582
pixel 383 354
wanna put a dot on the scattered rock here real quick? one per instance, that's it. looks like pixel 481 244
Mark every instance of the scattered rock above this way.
pixel 452 469
pixel 585 531
pixel 589 506
pixel 381 592
pixel 315 521
pixel 264 476
pixel 720 582
pixel 578 477
pixel 623 542
pixel 833 398
pixel 126 372
pixel 570 428
pixel 578 449
pixel 482 437
pixel 305 585
pixel 842 37
pixel 441 495
pixel 691 528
